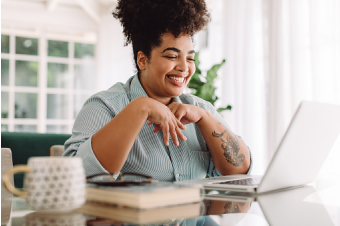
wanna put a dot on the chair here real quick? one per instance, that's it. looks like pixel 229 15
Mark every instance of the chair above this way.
pixel 57 150
pixel 6 196
pixel 26 145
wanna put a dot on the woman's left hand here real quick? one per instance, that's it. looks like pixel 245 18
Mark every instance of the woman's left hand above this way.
pixel 185 113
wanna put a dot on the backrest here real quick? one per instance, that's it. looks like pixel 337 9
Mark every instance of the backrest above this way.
pixel 6 196
pixel 26 145
pixel 57 150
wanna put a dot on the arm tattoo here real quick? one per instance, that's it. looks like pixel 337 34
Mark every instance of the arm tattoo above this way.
pixel 232 207
pixel 231 147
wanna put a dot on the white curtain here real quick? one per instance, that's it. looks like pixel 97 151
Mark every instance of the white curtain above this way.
pixel 278 53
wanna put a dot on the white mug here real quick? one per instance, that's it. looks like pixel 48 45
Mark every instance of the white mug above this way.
pixel 51 184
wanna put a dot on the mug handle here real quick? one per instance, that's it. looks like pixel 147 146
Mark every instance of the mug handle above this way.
pixel 9 173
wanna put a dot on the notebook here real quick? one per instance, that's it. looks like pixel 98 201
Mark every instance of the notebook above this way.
pixel 299 157
pixel 141 216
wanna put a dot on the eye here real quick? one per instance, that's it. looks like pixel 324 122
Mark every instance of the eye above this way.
pixel 170 57
pixel 191 59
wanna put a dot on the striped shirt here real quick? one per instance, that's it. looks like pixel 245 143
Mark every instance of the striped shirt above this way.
pixel 148 155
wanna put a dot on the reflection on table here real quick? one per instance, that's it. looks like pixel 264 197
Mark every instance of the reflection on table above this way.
pixel 301 206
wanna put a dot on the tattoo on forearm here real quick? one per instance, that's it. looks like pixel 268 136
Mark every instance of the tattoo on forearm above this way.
pixel 232 207
pixel 219 134
pixel 231 147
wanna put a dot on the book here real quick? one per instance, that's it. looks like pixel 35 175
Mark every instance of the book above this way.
pixel 140 216
pixel 149 195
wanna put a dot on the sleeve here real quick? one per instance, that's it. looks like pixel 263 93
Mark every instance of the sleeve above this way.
pixel 212 171
pixel 93 116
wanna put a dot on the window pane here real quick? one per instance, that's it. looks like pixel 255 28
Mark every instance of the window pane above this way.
pixel 25 128
pixel 57 75
pixel 27 46
pixel 4 72
pixel 78 103
pixel 57 106
pixel 4 127
pixel 26 105
pixel 26 73
pixel 4 104
pixel 5 43
pixel 57 48
pixel 82 50
pixel 84 76
pixel 57 129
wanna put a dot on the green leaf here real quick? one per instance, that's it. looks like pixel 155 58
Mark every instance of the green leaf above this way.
pixel 212 73
pixel 223 109
pixel 205 90
pixel 197 61
pixel 195 81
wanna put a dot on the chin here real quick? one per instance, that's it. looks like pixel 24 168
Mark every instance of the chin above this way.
pixel 176 94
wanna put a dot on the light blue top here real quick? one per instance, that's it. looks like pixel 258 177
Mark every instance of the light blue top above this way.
pixel 148 156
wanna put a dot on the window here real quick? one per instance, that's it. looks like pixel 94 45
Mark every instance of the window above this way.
pixel 44 82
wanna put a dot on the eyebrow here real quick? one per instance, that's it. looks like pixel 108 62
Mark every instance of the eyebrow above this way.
pixel 177 50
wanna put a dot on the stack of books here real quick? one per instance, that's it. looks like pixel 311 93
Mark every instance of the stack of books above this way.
pixel 147 203
pixel 141 216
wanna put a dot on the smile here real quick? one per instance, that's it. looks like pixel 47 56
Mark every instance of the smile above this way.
pixel 176 79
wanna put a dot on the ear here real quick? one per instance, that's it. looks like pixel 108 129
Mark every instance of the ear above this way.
pixel 141 60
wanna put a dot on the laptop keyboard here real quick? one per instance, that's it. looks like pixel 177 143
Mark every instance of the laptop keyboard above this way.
pixel 247 181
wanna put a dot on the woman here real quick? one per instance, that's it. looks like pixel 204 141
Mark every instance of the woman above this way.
pixel 147 125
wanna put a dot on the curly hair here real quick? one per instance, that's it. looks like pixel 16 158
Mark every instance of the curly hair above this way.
pixel 145 21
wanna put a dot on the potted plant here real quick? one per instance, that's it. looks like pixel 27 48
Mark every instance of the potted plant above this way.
pixel 206 90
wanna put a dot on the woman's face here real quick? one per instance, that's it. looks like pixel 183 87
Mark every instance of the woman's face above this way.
pixel 169 69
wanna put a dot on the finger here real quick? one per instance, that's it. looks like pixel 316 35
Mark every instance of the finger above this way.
pixel 181 125
pixel 165 130
pixel 156 129
pixel 180 113
pixel 180 134
pixel 173 133
pixel 150 123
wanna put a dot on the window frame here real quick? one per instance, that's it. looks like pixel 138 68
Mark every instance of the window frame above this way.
pixel 42 90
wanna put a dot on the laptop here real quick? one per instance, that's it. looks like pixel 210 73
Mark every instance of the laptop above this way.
pixel 299 157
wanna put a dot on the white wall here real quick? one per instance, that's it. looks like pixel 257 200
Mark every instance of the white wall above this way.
pixel 34 16
pixel 115 62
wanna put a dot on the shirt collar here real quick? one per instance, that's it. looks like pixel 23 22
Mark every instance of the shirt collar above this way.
pixel 136 88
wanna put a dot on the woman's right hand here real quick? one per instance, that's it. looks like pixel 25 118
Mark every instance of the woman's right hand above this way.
pixel 160 115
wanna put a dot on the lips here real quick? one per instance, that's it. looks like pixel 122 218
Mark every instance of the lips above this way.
pixel 176 78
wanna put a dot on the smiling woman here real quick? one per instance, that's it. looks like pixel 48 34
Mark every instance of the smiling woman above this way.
pixel 147 125
pixel 169 68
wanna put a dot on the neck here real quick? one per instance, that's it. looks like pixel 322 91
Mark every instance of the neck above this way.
pixel 163 100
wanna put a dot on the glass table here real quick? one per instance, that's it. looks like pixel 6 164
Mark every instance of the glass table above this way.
pixel 315 204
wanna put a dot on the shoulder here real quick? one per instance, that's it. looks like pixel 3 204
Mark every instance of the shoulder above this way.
pixel 115 92
pixel 115 97
pixel 195 100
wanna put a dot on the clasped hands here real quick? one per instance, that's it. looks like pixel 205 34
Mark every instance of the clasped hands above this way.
pixel 171 119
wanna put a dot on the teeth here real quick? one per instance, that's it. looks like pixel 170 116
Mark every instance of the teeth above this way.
pixel 177 79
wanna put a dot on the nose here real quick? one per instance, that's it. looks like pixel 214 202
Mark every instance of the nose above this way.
pixel 182 65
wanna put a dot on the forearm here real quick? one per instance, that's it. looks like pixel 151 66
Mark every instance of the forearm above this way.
pixel 229 153
pixel 112 143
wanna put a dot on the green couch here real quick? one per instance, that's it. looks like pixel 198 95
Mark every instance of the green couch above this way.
pixel 26 145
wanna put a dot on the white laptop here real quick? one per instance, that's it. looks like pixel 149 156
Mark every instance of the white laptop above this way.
pixel 300 155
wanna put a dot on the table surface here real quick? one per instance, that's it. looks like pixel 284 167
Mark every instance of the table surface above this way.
pixel 315 204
